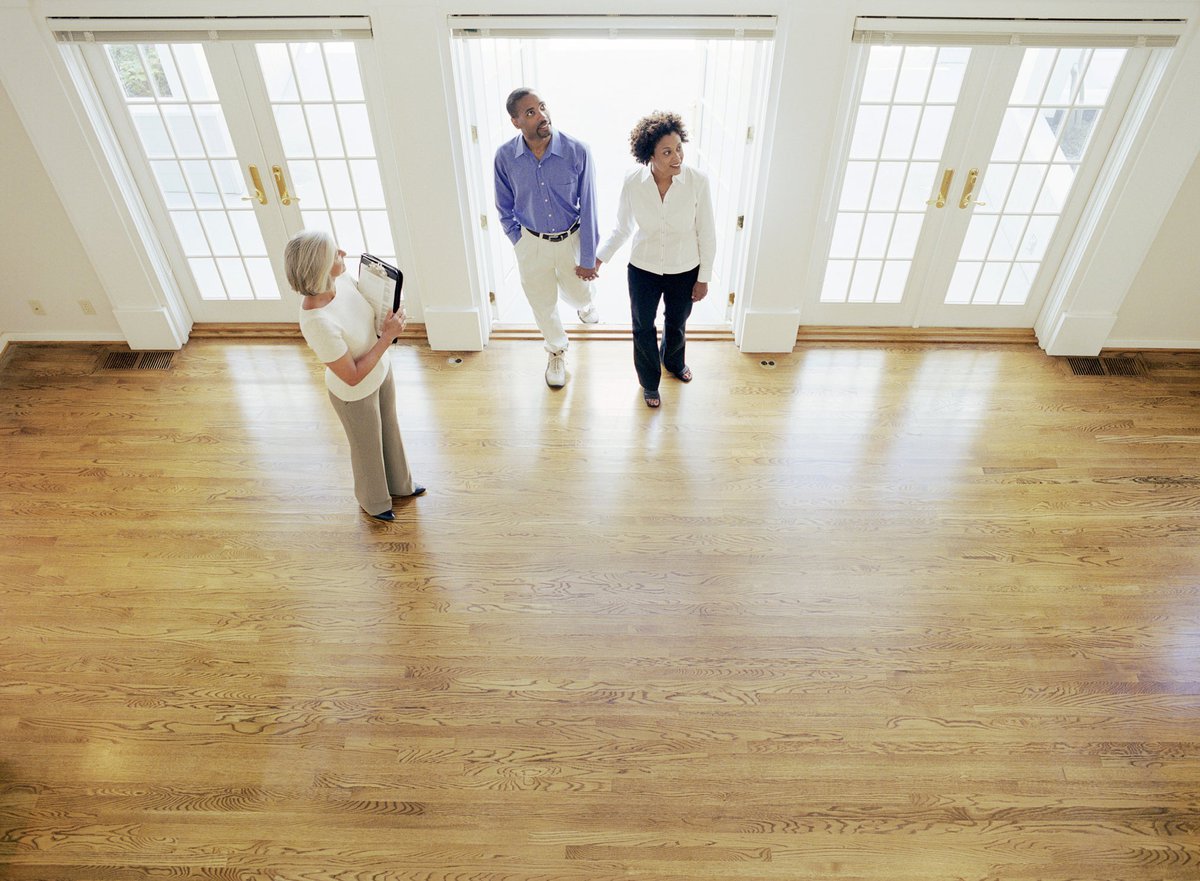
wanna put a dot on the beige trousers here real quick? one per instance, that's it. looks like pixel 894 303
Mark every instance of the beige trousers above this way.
pixel 546 268
pixel 376 450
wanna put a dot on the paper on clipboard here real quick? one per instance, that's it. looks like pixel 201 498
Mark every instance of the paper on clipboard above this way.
pixel 382 285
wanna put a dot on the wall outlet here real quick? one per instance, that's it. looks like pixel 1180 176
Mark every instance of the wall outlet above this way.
pixel 37 307
pixel 87 307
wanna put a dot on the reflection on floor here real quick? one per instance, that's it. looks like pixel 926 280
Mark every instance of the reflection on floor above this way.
pixel 872 612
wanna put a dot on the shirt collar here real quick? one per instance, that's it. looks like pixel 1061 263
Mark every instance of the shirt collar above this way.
pixel 647 176
pixel 556 146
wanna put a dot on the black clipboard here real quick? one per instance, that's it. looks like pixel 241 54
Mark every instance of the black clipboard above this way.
pixel 370 266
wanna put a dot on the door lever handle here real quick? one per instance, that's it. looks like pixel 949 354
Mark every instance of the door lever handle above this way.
pixel 939 201
pixel 969 188
pixel 260 195
pixel 285 197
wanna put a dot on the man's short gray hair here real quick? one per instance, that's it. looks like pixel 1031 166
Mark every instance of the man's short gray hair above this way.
pixel 514 98
pixel 308 259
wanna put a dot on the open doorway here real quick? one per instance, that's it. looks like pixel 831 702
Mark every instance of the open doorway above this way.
pixel 595 90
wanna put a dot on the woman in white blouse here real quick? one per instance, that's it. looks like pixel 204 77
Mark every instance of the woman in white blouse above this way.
pixel 339 326
pixel 671 207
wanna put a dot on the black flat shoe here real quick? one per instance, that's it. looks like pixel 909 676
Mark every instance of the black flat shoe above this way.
pixel 418 490
pixel 386 516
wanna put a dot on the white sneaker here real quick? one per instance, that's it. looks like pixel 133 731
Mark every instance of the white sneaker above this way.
pixel 590 315
pixel 556 371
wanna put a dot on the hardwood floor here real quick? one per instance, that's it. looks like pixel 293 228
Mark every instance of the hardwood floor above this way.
pixel 880 612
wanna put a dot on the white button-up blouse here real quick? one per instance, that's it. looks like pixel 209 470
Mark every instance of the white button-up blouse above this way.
pixel 673 234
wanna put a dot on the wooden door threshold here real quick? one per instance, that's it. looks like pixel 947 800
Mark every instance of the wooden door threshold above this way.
pixel 717 333
pixel 1018 336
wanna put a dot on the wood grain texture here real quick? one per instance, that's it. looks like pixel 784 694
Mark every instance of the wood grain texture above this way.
pixel 884 611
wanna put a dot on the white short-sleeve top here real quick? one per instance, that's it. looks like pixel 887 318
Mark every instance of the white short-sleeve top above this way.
pixel 345 324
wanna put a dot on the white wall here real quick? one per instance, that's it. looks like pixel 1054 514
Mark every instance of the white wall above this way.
pixel 420 105
pixel 1162 308
pixel 40 251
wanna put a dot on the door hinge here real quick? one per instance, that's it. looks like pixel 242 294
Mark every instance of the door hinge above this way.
pixel 474 135
pixel 732 298
pixel 741 221
pixel 491 296
pixel 483 221
pixel 749 133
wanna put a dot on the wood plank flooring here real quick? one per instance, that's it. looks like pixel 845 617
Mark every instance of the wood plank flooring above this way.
pixel 894 613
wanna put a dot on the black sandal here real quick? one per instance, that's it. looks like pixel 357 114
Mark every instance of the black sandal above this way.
pixel 684 375
pixel 653 401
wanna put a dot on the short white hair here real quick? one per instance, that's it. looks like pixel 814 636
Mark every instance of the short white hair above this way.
pixel 308 260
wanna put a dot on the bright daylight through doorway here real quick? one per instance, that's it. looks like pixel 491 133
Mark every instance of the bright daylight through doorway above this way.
pixel 596 89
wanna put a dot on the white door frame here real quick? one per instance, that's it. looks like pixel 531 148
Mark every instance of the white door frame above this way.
pixel 246 107
pixel 978 114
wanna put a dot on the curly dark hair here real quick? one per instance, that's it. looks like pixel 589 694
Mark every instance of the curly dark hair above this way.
pixel 652 129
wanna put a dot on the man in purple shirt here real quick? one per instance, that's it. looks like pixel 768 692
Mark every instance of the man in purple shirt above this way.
pixel 546 196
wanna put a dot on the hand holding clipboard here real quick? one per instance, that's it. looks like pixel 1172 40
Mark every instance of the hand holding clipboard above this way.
pixel 382 285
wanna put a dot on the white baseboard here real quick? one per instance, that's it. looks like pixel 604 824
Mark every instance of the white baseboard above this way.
pixel 768 332
pixel 33 336
pixel 1076 333
pixel 151 329
pixel 454 330
pixel 1146 345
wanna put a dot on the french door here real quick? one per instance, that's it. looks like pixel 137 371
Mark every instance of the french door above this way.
pixel 236 145
pixel 962 179
pixel 717 83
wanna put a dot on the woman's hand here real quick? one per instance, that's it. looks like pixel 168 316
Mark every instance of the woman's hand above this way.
pixel 699 291
pixel 352 371
pixel 393 326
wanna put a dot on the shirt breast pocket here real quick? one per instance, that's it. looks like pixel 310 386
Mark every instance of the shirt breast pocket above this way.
pixel 563 178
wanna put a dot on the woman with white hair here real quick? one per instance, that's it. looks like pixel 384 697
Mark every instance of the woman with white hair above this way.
pixel 339 326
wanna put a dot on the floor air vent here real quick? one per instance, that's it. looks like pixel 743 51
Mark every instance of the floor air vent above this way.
pixel 138 361
pixel 1107 366
pixel 155 360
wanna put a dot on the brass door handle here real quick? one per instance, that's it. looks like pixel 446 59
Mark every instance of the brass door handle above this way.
pixel 285 197
pixel 940 200
pixel 260 195
pixel 969 188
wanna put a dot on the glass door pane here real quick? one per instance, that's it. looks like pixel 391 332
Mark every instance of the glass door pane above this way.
pixel 1029 135
pixel 900 130
pixel 1053 110
pixel 330 168
pixel 488 70
pixel 176 114
pixel 725 136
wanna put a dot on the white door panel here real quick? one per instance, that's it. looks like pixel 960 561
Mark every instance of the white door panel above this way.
pixel 1056 126
pixel 970 236
pixel 234 147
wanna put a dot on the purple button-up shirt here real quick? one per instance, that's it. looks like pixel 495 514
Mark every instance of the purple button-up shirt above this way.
pixel 550 195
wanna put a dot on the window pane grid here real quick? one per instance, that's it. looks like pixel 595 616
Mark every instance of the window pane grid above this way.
pixel 168 90
pixel 900 128
pixel 1028 195
pixel 317 99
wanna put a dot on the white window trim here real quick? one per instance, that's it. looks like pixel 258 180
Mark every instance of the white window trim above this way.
pixel 149 30
pixel 752 27
pixel 920 31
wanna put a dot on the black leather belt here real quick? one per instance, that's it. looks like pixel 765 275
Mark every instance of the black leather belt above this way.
pixel 553 236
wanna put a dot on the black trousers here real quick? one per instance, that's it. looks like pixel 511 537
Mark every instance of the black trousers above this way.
pixel 645 291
